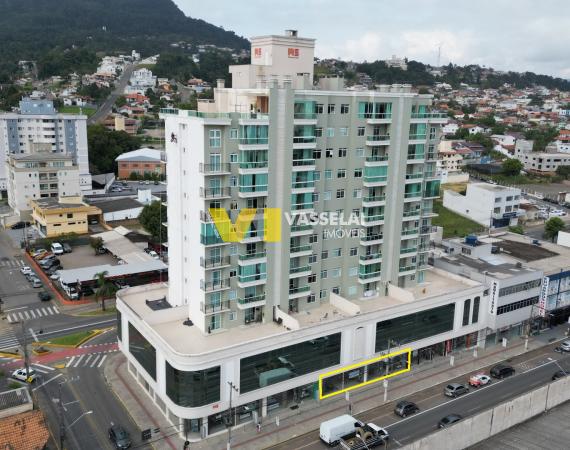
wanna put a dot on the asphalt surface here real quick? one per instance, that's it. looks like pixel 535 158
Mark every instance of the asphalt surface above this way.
pixel 533 369
pixel 106 107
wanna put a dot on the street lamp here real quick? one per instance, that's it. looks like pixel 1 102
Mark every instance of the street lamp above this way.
pixel 79 418
pixel 233 387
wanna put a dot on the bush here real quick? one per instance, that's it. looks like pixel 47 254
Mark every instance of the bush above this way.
pixel 518 229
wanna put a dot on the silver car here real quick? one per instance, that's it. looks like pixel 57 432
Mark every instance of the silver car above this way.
pixel 455 390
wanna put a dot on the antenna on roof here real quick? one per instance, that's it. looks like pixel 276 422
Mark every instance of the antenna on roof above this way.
pixel 439 54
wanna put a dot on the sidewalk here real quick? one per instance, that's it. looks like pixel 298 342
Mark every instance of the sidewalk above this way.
pixel 308 416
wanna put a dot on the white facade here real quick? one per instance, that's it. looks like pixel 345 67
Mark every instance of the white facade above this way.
pixel 141 80
pixel 37 127
pixel 542 162
pixel 487 204
pixel 31 177
pixel 450 128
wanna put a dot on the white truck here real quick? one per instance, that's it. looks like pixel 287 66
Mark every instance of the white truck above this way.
pixel 364 437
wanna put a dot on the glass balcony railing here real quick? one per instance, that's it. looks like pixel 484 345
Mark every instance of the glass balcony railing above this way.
pixel 215 168
pixel 373 218
pixel 253 164
pixel 208 115
pixel 300 248
pixel 376 178
pixel 210 240
pixel 371 256
pixel 248 256
pixel 300 269
pixel 304 139
pixel 252 299
pixel 296 228
pixel 301 206
pixel 303 184
pixel 374 115
pixel 217 285
pixel 215 307
pixel 410 231
pixel 412 156
pixel 305 115
pixel 250 278
pixel 413 194
pixel 378 137
pixel 412 213
pixel 253 189
pixel 377 158
pixel 417 136
pixel 219 261
pixel 367 276
pixel 303 162
pixel 215 192
pixel 372 237
pixel 404 251
pixel 407 268
pixel 429 115
pixel 253 140
pixel 299 289
pixel 374 198
pixel 414 176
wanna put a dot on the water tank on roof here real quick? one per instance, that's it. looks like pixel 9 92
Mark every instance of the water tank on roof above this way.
pixel 471 240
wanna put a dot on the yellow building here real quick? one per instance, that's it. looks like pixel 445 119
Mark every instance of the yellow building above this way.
pixel 64 215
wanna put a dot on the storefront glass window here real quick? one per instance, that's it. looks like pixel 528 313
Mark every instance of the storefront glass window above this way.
pixel 193 388
pixel 143 352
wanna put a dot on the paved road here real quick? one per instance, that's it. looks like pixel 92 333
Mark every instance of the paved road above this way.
pixel 107 105
pixel 533 369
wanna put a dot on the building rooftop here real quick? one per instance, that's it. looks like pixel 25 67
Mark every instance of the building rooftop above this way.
pixel 189 340
pixel 117 205
pixel 491 187
pixel 495 266
pixel 41 157
pixel 25 431
pixel 83 274
pixel 142 154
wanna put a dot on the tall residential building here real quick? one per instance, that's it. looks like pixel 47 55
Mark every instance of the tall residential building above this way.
pixel 270 317
pixel 38 127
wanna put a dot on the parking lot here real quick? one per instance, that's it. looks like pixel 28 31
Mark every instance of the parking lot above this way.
pixel 84 256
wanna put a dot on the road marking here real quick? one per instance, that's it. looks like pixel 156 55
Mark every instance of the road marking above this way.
pixel 39 370
pixel 94 361
pixel 80 326
pixel 44 310
pixel 27 315
pixel 10 318
pixel 70 361
pixel 34 335
pixel 48 381
pixel 39 311
pixel 20 316
pixel 102 359
pixel 87 360
pixel 14 309
pixel 56 310
pixel 78 361
pixel 32 313
pixel 45 367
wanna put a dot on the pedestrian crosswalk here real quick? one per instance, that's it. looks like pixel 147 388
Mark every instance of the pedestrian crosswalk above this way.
pixel 11 263
pixel 31 314
pixel 41 368
pixel 8 340
pixel 87 360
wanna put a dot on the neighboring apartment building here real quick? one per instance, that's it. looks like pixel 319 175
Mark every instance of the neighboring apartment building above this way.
pixel 38 127
pixel 144 161
pixel 40 175
pixel 488 204
pixel 64 215
pixel 540 162
pixel 270 317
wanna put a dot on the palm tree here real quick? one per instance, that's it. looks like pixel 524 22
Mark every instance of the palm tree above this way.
pixel 106 289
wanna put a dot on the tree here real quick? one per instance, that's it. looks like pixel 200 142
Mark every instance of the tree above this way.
pixel 518 229
pixel 96 244
pixel 512 167
pixel 563 171
pixel 133 176
pixel 105 289
pixel 552 227
pixel 121 101
pixel 152 217
pixel 105 145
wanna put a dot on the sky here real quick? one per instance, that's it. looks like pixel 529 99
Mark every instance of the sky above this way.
pixel 515 35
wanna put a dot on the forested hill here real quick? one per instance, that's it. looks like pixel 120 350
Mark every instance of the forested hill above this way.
pixel 31 29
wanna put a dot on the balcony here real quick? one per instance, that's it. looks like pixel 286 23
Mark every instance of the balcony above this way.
pixel 408 251
pixel 427 229
pixel 252 256
pixel 410 233
pixel 370 201
pixel 431 156
pixel 412 196
pixel 214 263
pixel 304 165
pixel 259 190
pixel 411 214
pixel 213 308
pixel 301 250
pixel 301 271
pixel 299 291
pixel 305 118
pixel 304 141
pixel 376 219
pixel 431 176
pixel 372 239
pixel 251 280
pixel 378 180
pixel 429 115
pixel 377 139
pixel 246 167
pixel 216 285
pixel 376 118
pixel 213 193
pixel 416 158
pixel 253 141
pixel 301 230
pixel 215 169
pixel 212 240
pixel 251 302
pixel 370 277
pixel 428 212
pixel 414 176
pixel 302 207
pixel 418 137
pixel 307 185
pixel 205 217
pixel 407 270
pixel 372 258
pixel 376 160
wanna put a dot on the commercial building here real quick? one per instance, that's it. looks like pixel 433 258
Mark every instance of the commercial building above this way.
pixel 64 215
pixel 144 161
pixel 40 175
pixel 38 127
pixel 269 317
pixel 490 205
pixel 540 162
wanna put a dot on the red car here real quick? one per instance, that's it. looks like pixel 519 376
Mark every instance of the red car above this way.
pixel 479 380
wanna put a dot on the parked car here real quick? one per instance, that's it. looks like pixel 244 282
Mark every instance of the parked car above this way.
pixel 43 256
pixel 25 270
pixel 20 225
pixel 72 293
pixel 119 437
pixel 556 213
pixel 124 183
pixel 479 380
pixel 558 374
pixel 36 283
pixel 156 183
pixel 39 252
pixel 22 375
pixel 57 248
pixel 93 221
pixel 449 420
pixel 405 408
pixel 153 254
pixel 565 345
pixel 66 247
pixel 48 263
pixel 502 371
pixel 455 390
pixel 55 275
pixel 53 270
pixel 147 182
pixel 44 296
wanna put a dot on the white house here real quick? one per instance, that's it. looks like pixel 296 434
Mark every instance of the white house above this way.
pixel 450 128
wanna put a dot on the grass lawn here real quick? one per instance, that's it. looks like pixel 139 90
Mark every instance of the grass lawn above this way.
pixel 77 110
pixel 70 339
pixel 108 310
pixel 453 224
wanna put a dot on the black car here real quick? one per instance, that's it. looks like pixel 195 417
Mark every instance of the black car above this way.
pixel 44 296
pixel 20 225
pixel 449 420
pixel 405 408
pixel 66 247
pixel 120 437
pixel 502 371
pixel 559 374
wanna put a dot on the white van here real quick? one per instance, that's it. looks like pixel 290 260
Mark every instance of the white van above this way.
pixel 332 430
pixel 57 248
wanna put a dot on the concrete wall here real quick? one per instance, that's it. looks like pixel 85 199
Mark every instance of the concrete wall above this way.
pixel 482 426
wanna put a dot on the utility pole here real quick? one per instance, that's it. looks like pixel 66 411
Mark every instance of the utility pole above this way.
pixel 61 420
pixel 233 387
pixel 27 362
